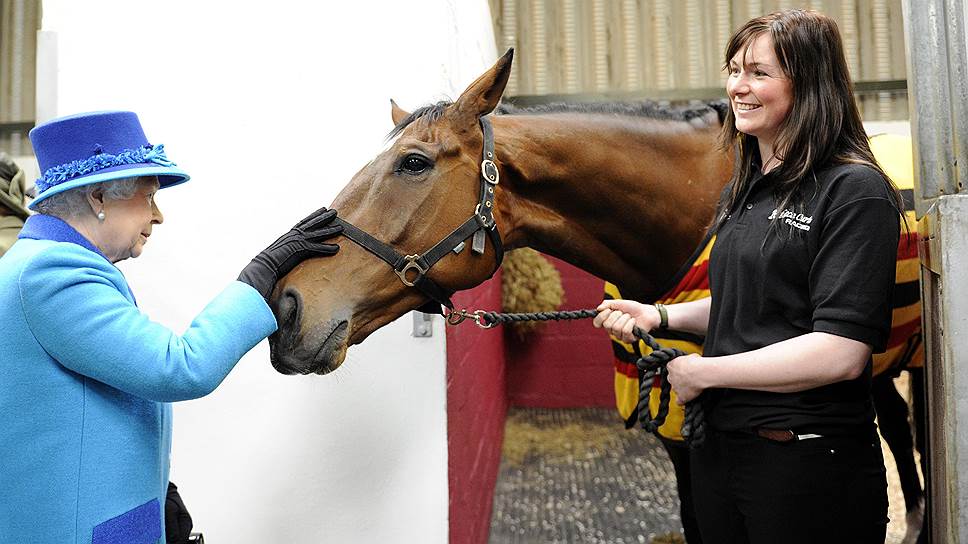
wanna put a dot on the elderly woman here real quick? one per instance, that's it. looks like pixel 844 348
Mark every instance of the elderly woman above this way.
pixel 85 377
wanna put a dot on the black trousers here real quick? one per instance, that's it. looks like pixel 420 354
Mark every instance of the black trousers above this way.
pixel 679 454
pixel 747 489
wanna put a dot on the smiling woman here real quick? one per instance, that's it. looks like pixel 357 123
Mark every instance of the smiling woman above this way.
pixel 761 95
pixel 801 296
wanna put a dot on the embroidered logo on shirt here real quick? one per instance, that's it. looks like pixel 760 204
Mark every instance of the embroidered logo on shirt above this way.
pixel 792 218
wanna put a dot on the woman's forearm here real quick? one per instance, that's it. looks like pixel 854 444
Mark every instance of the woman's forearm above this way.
pixel 691 317
pixel 805 362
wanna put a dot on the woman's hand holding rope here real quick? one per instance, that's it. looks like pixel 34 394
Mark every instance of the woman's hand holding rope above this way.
pixel 656 365
pixel 685 375
pixel 620 317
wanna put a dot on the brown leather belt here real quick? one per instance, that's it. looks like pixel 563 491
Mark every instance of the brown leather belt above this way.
pixel 776 435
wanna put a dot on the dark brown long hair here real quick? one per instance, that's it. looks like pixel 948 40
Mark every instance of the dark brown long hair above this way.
pixel 823 126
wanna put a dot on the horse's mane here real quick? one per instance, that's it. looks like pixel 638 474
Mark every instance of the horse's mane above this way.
pixel 645 108
pixel 432 112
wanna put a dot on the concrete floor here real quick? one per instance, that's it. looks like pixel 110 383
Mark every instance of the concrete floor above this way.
pixel 576 475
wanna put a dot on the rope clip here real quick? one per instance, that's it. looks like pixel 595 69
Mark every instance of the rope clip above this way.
pixel 457 317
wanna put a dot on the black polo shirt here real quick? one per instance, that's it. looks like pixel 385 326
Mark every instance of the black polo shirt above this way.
pixel 829 267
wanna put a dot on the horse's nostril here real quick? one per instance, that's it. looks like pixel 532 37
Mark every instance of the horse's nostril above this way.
pixel 289 310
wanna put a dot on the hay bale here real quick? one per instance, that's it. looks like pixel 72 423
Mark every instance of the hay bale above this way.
pixel 545 435
pixel 530 283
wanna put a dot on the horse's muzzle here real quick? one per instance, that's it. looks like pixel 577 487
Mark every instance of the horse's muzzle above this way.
pixel 293 351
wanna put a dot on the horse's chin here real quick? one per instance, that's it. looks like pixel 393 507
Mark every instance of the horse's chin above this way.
pixel 320 351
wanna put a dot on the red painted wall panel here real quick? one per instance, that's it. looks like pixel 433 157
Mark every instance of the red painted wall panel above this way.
pixel 476 409
pixel 566 364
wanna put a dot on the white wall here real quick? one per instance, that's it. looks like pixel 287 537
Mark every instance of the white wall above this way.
pixel 271 107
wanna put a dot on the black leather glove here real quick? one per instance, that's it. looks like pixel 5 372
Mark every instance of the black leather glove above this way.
pixel 178 522
pixel 300 243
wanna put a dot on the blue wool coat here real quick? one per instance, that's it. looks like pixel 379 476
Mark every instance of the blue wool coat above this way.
pixel 85 385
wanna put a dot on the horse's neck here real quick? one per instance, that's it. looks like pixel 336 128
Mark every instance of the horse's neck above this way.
pixel 627 199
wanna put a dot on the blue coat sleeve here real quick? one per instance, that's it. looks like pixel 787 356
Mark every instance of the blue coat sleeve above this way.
pixel 75 305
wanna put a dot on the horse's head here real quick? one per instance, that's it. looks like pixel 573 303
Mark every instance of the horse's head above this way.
pixel 409 197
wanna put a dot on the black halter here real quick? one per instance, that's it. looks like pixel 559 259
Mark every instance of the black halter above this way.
pixel 413 269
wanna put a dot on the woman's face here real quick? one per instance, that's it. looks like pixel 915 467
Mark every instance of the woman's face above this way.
pixel 128 223
pixel 760 94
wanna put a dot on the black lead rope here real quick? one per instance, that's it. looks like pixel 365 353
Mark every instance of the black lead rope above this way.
pixel 651 367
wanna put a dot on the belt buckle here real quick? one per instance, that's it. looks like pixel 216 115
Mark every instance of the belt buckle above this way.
pixel 777 435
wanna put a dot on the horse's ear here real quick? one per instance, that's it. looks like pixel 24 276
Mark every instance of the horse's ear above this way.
pixel 482 96
pixel 397 113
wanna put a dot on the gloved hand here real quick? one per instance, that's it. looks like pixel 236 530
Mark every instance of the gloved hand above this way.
pixel 292 248
pixel 178 522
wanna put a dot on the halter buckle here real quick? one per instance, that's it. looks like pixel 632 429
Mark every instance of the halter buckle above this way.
pixel 411 264
pixel 489 172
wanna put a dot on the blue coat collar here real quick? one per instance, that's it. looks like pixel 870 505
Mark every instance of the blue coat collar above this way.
pixel 48 227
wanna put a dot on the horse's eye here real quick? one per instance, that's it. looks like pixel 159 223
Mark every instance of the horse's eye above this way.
pixel 415 164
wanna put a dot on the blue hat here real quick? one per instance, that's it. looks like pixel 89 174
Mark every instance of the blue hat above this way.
pixel 93 147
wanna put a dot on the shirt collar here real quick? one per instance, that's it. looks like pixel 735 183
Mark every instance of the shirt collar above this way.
pixel 758 178
pixel 48 227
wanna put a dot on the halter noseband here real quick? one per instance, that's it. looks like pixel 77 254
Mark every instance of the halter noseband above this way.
pixel 413 269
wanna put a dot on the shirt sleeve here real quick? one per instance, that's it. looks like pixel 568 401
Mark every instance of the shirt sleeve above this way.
pixel 852 277
pixel 75 310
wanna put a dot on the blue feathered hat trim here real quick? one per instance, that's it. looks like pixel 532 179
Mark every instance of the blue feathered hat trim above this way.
pixel 61 173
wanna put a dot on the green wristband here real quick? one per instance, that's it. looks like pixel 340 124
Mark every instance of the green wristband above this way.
pixel 663 316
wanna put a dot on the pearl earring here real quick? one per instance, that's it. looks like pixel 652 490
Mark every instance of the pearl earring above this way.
pixel 101 216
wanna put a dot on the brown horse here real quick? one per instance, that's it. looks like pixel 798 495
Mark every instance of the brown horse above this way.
pixel 625 197
pixel 625 192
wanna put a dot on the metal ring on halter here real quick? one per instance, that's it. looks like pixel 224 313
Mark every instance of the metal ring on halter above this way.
pixel 454 317
pixel 490 172
pixel 411 264
pixel 485 220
